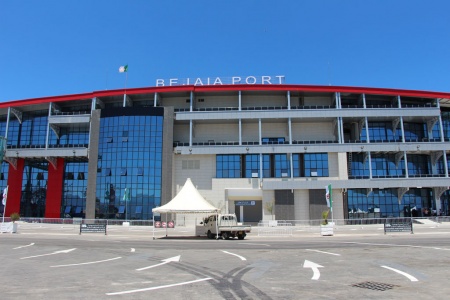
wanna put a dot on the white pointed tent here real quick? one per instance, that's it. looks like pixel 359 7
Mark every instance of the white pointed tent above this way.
pixel 187 201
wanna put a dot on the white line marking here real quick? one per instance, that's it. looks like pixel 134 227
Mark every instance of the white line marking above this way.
pixel 24 246
pixel 394 245
pixel 323 252
pixel 158 287
pixel 164 261
pixel 410 277
pixel 86 263
pixel 133 250
pixel 255 244
pixel 56 252
pixel 241 257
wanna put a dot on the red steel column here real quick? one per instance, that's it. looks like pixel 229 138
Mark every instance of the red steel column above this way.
pixel 15 177
pixel 54 189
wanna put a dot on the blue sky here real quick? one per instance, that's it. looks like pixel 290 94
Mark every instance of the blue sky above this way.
pixel 57 47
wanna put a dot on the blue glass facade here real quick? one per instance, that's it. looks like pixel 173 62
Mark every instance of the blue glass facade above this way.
pixel 130 156
pixel 384 203
pixel 74 191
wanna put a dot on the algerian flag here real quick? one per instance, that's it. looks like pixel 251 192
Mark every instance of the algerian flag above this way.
pixel 126 195
pixel 123 69
pixel 328 196
pixel 5 196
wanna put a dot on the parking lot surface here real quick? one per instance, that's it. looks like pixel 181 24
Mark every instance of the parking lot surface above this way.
pixel 50 261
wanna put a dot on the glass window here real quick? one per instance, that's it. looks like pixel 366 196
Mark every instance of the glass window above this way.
pixel 251 165
pixel 228 166
pixel 316 164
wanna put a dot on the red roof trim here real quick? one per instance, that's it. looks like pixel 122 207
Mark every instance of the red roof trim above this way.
pixel 229 88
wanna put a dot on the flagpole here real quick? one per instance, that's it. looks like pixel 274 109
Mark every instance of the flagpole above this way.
pixel 5 200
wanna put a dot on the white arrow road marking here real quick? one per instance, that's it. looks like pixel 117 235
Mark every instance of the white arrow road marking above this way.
pixel 133 250
pixel 24 246
pixel 158 287
pixel 315 267
pixel 86 263
pixel 56 252
pixel 164 261
pixel 410 277
pixel 323 252
pixel 241 257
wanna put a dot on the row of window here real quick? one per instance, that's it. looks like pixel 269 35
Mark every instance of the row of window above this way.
pixel 271 165
pixel 387 165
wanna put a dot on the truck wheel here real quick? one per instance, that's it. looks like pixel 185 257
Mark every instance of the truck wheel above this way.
pixel 241 236
pixel 225 236
pixel 210 235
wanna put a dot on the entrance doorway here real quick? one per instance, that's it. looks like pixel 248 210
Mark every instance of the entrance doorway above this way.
pixel 249 211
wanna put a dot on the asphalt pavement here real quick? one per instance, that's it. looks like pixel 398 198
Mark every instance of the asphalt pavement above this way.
pixel 53 261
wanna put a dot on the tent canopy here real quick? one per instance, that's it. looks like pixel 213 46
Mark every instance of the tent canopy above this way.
pixel 187 201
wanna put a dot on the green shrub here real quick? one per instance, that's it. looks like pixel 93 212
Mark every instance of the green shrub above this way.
pixel 14 217
pixel 325 217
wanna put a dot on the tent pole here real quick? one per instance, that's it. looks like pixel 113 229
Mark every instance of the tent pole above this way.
pixel 217 226
pixel 166 224
pixel 153 226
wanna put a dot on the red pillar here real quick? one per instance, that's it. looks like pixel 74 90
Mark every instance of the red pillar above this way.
pixel 15 177
pixel 54 189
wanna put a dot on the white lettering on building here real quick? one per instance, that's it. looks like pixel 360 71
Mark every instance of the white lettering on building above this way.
pixel 278 79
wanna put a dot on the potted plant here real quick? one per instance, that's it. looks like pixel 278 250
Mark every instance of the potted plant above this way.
pixel 326 228
pixel 14 217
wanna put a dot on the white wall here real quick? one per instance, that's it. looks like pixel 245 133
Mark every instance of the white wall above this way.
pixel 181 133
pixel 216 132
pixel 301 204
pixel 217 101
pixel 178 102
pixel 312 131
pixel 308 101
pixel 275 130
pixel 263 100
pixel 250 132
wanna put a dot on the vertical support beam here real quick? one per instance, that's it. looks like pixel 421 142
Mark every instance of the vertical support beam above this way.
pixel 260 131
pixel 240 131
pixel 191 102
pixel 191 128
pixel 261 166
pixel 403 129
pixel 441 129
pixel 94 136
pixel 54 190
pixel 291 164
pixel 406 164
pixel 367 129
pixel 7 124
pixel 155 100
pixel 289 100
pixel 290 130
pixel 48 124
pixel 445 163
pixel 15 177
pixel 240 100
